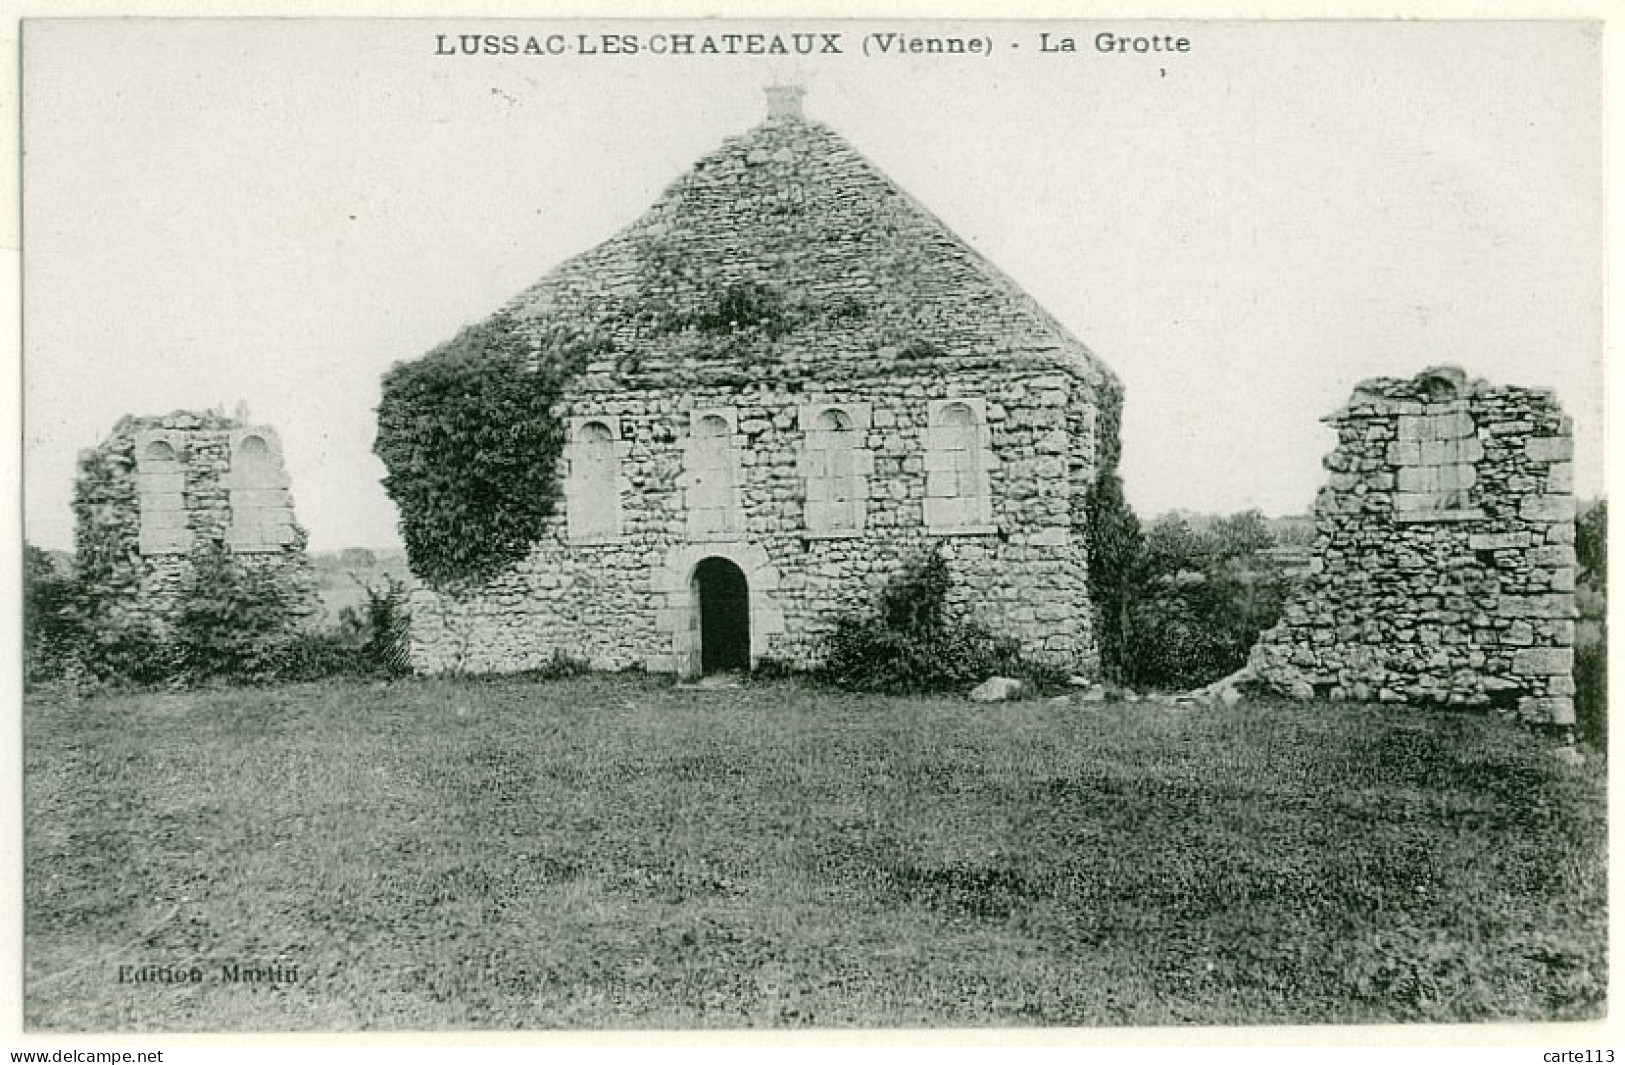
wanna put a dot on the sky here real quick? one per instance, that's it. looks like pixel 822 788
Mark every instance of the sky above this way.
pixel 276 211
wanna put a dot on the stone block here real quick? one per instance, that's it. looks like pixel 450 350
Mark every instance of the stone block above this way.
pixel 1419 479
pixel 660 663
pixel 1446 452
pixel 1543 661
pixel 1549 448
pixel 165 520
pixel 1547 508
pixel 1413 502
pixel 1551 710
pixel 1497 541
pixel 1560 477
pixel 1552 555
pixel 160 483
pixel 1403 453
pixel 997 690
pixel 1551 605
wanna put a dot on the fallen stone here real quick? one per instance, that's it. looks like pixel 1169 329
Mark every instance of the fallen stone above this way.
pixel 997 690
pixel 1569 755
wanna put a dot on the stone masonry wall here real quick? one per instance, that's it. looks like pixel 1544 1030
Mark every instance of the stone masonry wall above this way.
pixel 784 269
pixel 1444 564
pixel 625 603
pixel 159 489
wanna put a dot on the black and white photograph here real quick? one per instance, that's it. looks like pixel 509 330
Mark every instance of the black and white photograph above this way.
pixel 812 525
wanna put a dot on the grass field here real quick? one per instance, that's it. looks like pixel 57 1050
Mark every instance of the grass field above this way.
pixel 619 852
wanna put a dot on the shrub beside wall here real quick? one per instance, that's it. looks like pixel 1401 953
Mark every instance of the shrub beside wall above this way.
pixel 52 634
pixel 1591 634
pixel 910 644
pixel 233 624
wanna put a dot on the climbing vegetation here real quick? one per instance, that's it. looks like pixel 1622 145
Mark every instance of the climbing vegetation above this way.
pixel 471 443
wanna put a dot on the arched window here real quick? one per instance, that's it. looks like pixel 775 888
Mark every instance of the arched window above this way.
pixel 712 475
pixel 957 461
pixel 161 493
pixel 835 465
pixel 158 453
pixel 254 462
pixel 593 489
pixel 261 511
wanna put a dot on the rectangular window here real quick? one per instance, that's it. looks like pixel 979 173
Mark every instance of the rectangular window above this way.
pixel 1436 456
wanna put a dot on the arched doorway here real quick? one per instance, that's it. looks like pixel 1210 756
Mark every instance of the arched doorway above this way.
pixel 723 602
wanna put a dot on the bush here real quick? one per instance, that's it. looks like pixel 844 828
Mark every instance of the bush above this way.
pixel 124 651
pixel 384 645
pixel 1115 542
pixel 1591 544
pixel 1591 693
pixel 910 646
pixel 1198 601
pixel 234 623
pixel 53 633
pixel 320 656
pixel 1591 642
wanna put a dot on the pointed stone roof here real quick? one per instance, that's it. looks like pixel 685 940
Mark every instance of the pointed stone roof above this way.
pixel 829 261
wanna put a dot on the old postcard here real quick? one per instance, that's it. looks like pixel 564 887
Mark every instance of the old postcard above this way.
pixel 812 525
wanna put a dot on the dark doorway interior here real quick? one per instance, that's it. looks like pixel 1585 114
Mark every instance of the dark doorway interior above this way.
pixel 724 616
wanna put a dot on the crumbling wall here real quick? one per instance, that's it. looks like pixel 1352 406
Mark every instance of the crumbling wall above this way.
pixel 160 489
pixel 1444 563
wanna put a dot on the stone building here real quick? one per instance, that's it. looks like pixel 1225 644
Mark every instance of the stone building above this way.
pixel 807 380
pixel 160 489
pixel 1444 564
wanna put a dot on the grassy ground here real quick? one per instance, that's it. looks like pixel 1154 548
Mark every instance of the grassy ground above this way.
pixel 617 852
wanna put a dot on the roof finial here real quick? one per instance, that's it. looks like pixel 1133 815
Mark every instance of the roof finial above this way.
pixel 784 101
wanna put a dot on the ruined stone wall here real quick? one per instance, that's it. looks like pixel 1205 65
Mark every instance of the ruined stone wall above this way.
pixel 159 489
pixel 627 600
pixel 1444 563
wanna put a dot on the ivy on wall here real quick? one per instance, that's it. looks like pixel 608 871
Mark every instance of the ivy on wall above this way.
pixel 471 443
pixel 1114 538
